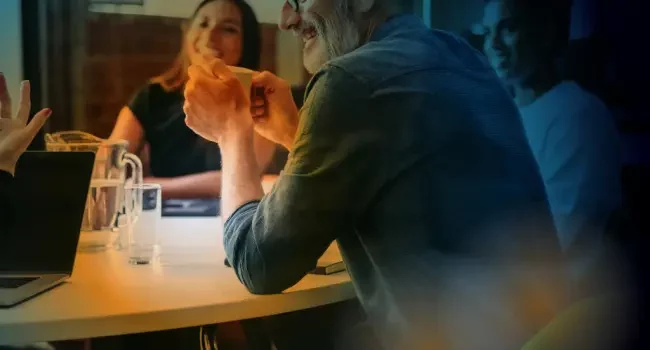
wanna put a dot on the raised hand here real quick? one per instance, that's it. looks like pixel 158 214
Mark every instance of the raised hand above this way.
pixel 15 133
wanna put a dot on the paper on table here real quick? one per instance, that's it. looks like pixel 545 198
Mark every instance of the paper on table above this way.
pixel 330 262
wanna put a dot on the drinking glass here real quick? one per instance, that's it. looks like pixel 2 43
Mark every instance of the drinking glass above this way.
pixel 143 214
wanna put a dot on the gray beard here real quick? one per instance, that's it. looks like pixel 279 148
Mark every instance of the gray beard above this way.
pixel 339 31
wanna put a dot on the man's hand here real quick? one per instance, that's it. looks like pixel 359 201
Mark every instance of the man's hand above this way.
pixel 15 133
pixel 216 105
pixel 275 114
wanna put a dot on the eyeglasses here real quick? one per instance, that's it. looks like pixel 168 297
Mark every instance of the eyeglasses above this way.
pixel 295 4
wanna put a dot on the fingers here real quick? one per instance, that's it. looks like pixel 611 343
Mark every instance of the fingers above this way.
pixel 199 76
pixel 198 71
pixel 11 125
pixel 189 114
pixel 205 60
pixel 263 84
pixel 211 68
pixel 258 102
pixel 258 112
pixel 5 99
pixel 37 122
pixel 199 110
pixel 25 104
pixel 194 120
pixel 210 91
pixel 265 79
pixel 195 123
pixel 6 125
pixel 220 70
pixel 258 105
pixel 257 93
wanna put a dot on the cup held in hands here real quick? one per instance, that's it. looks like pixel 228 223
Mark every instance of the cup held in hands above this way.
pixel 245 77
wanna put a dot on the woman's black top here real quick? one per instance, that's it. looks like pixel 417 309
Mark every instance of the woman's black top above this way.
pixel 175 150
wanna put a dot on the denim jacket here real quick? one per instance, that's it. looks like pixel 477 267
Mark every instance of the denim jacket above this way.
pixel 411 154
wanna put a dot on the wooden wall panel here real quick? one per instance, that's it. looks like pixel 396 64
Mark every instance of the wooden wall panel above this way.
pixel 124 51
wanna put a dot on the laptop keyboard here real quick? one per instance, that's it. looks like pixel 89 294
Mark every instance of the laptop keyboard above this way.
pixel 15 282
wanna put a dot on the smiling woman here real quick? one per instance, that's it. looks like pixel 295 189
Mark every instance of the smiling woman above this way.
pixel 186 165
pixel 226 29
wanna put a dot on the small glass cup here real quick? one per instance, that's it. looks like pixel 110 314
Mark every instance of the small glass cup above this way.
pixel 143 206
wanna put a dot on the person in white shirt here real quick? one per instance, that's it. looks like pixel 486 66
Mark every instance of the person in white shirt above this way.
pixel 571 132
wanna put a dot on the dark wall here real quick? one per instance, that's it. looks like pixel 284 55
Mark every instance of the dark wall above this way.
pixel 31 56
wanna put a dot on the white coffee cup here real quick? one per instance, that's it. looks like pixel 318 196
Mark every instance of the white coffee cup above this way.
pixel 245 77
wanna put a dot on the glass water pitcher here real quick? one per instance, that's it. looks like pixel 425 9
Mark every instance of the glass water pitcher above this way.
pixel 114 166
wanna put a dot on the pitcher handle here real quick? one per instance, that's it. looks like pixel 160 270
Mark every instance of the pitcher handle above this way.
pixel 134 162
pixel 136 166
pixel 131 205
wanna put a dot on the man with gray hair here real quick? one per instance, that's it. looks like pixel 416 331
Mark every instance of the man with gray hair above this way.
pixel 410 153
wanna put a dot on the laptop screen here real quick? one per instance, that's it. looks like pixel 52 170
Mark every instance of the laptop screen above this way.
pixel 50 190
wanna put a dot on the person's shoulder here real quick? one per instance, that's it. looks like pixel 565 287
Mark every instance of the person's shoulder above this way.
pixel 332 80
pixel 593 115
pixel 379 60
pixel 418 49
pixel 581 115
pixel 154 91
pixel 585 98
pixel 580 106
pixel 154 95
pixel 152 99
pixel 332 95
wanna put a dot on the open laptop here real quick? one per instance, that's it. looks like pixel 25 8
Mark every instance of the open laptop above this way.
pixel 39 252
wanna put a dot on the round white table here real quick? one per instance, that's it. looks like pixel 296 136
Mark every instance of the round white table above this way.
pixel 107 296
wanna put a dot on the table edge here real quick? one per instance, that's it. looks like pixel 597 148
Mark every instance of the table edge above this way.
pixel 259 306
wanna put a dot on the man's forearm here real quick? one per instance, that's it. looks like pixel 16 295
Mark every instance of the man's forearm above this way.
pixel 252 247
pixel 273 243
pixel 203 185
pixel 240 173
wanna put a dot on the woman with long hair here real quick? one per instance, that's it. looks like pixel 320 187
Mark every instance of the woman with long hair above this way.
pixel 186 165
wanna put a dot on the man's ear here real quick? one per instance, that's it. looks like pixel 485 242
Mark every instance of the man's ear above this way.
pixel 185 25
pixel 364 6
